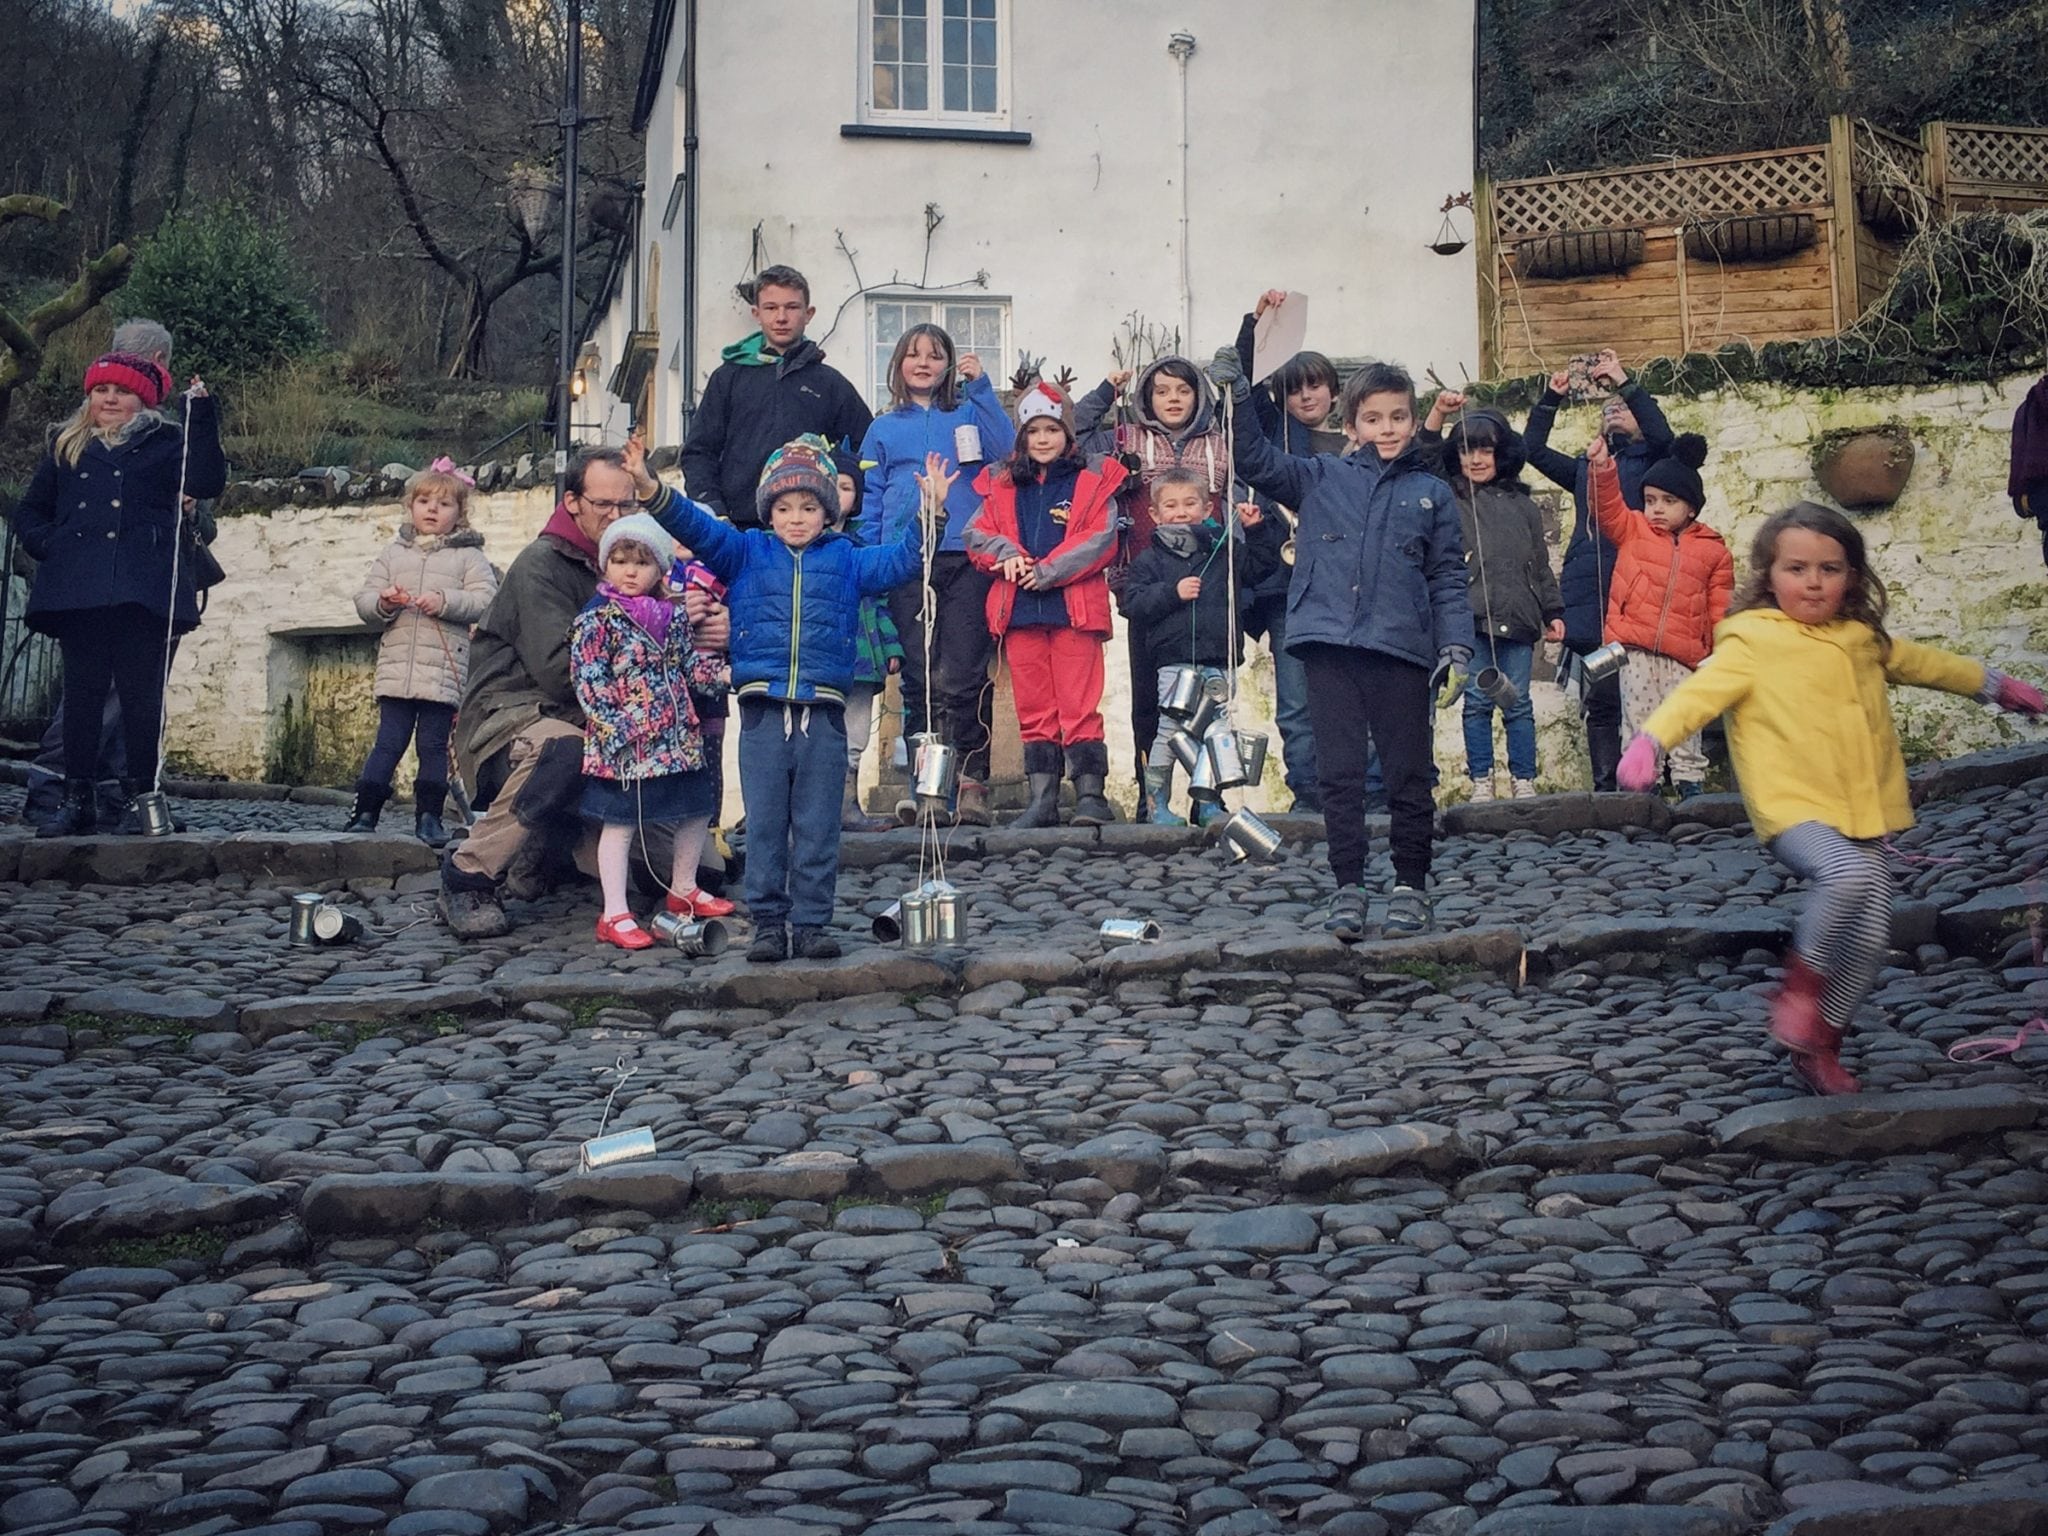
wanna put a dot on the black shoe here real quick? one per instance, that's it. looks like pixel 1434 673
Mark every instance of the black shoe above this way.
pixel 814 944
pixel 427 828
pixel 369 806
pixel 1042 768
pixel 1409 912
pixel 428 801
pixel 770 944
pixel 1306 803
pixel 77 815
pixel 1347 914
pixel 1088 763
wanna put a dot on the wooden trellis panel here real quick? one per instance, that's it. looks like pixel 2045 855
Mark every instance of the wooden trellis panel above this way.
pixel 1647 196
pixel 1884 158
pixel 2004 167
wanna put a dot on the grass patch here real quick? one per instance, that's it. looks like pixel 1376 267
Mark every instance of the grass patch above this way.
pixel 126 1026
pixel 1434 973
pixel 583 1011
pixel 928 1207
pixel 709 1215
pixel 205 1245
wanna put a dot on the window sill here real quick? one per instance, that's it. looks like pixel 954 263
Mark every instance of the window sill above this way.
pixel 958 134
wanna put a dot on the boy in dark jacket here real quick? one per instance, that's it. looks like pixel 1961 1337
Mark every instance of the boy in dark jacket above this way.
pixel 1178 590
pixel 794 588
pixel 1378 613
pixel 767 390
pixel 1638 436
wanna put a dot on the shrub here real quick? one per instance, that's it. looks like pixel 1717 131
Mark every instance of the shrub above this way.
pixel 224 281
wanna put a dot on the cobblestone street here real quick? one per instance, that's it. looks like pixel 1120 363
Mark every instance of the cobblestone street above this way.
pixel 1523 1227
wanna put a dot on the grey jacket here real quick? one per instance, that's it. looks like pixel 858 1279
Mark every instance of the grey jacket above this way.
pixel 422 657
pixel 1512 587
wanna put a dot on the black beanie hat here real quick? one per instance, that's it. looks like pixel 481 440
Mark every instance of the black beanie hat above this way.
pixel 1679 473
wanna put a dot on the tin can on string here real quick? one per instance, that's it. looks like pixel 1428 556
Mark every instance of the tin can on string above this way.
pixel 304 905
pixel 1225 765
pixel 331 925
pixel 1498 687
pixel 153 811
pixel 888 924
pixel 967 443
pixel 1251 747
pixel 1186 750
pixel 949 917
pixel 1207 712
pixel 937 768
pixel 916 909
pixel 1598 666
pixel 618 1147
pixel 1247 837
pixel 1202 779
pixel 1183 692
pixel 705 936
pixel 1129 930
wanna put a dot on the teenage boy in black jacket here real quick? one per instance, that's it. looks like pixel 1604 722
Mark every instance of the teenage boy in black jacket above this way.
pixel 1178 590
pixel 770 389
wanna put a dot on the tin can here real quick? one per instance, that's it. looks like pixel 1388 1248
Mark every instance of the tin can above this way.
pixel 1186 750
pixel 1224 762
pixel 1247 837
pixel 1129 930
pixel 917 920
pixel 937 768
pixel 618 1147
pixel 967 443
pixel 304 905
pixel 1202 779
pixel 949 917
pixel 888 924
pixel 705 936
pixel 1183 693
pixel 331 925
pixel 1604 663
pixel 1207 712
pixel 153 810
pixel 1251 746
pixel 1497 686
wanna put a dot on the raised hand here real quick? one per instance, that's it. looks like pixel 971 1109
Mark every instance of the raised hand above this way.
pixel 197 388
pixel 1249 515
pixel 635 455
pixel 1119 378
pixel 970 367
pixel 1607 368
pixel 937 481
pixel 1597 452
pixel 1272 298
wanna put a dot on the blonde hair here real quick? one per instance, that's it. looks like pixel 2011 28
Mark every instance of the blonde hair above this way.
pixel 439 480
pixel 77 430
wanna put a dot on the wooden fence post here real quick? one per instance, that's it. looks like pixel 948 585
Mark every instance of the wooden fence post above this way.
pixel 1486 265
pixel 1842 220
pixel 1934 149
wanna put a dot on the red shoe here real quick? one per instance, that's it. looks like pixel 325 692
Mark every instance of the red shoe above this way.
pixel 698 903
pixel 1823 1070
pixel 623 931
pixel 1796 1023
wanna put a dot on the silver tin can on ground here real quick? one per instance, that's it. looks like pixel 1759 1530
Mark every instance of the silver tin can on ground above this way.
pixel 888 924
pixel 1247 837
pixel 153 810
pixel 304 906
pixel 331 925
pixel 705 936
pixel 917 920
pixel 618 1147
pixel 1129 930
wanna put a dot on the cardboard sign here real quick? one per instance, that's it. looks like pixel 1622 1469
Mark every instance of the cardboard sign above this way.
pixel 1278 335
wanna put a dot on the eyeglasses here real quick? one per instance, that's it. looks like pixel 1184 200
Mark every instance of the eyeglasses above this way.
pixel 620 507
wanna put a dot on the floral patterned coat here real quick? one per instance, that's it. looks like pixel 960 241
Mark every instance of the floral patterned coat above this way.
pixel 640 721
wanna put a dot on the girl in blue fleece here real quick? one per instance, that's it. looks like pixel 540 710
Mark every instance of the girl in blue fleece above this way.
pixel 927 409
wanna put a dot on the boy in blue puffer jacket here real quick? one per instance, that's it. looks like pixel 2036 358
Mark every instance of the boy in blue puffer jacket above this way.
pixel 1378 613
pixel 794 588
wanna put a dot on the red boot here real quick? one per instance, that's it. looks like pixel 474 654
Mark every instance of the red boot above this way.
pixel 1796 1023
pixel 1823 1070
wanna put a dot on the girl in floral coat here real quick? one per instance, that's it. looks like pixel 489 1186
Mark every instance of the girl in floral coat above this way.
pixel 644 762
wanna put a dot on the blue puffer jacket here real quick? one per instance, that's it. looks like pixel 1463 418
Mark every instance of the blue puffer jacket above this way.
pixel 1379 557
pixel 104 530
pixel 795 612
pixel 1588 556
pixel 892 456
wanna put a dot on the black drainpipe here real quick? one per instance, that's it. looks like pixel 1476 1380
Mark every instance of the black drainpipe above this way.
pixel 689 213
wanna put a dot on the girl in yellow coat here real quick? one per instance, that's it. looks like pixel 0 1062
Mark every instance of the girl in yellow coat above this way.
pixel 1801 669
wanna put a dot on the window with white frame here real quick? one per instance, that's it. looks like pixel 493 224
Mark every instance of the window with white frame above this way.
pixel 981 326
pixel 937 61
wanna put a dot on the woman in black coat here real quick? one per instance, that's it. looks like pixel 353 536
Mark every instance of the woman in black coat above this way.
pixel 104 520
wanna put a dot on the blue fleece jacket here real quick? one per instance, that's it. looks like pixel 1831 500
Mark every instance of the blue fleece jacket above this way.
pixel 892 457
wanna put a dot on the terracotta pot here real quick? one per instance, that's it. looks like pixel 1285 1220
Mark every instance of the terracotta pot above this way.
pixel 1868 469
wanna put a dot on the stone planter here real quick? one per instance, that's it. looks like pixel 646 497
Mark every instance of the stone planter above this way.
pixel 1864 468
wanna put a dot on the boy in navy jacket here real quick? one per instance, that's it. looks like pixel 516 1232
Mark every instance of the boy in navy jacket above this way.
pixel 794 588
pixel 1377 612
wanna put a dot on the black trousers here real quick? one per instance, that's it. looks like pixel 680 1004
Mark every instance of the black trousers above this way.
pixel 1144 693
pixel 1359 701
pixel 963 698
pixel 122 648
pixel 1603 725
pixel 400 721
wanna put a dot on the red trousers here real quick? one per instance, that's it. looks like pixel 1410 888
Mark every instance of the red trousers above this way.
pixel 1056 676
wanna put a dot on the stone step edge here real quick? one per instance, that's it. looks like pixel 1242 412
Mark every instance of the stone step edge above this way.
pixel 14 771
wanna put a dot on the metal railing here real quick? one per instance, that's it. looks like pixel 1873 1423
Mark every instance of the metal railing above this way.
pixel 30 673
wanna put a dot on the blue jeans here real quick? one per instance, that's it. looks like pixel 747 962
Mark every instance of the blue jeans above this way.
pixel 792 773
pixel 1290 709
pixel 1513 658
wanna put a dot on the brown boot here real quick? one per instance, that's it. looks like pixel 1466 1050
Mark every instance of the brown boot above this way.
pixel 970 807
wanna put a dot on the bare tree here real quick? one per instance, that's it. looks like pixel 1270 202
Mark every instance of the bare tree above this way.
pixel 25 336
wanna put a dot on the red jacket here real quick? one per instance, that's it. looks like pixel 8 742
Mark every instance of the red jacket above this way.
pixel 1668 591
pixel 1076 564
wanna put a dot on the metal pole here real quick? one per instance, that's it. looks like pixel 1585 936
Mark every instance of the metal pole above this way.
pixel 571 122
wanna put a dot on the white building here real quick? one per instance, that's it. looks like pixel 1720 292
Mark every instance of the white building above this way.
pixel 1044 175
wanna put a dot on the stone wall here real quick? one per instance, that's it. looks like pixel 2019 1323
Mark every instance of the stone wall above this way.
pixel 1963 571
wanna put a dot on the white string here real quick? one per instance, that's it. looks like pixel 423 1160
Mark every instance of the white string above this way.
pixel 163 708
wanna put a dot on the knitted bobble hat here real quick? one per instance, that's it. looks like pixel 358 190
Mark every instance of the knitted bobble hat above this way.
pixel 138 375
pixel 1679 473
pixel 637 528
pixel 803 465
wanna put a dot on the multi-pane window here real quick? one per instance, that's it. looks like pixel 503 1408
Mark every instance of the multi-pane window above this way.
pixel 935 58
pixel 980 326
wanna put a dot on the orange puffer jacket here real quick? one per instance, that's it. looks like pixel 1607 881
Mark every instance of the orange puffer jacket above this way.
pixel 1668 592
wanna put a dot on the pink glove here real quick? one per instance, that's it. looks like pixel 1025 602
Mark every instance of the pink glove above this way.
pixel 2019 698
pixel 1637 770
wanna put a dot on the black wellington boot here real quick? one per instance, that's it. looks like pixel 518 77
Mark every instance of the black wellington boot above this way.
pixel 1088 762
pixel 427 803
pixel 1042 767
pixel 369 806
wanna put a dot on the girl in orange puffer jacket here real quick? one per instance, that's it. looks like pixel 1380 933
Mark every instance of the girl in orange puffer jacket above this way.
pixel 1673 579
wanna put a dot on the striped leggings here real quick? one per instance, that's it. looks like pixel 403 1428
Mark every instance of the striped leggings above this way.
pixel 1847 924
